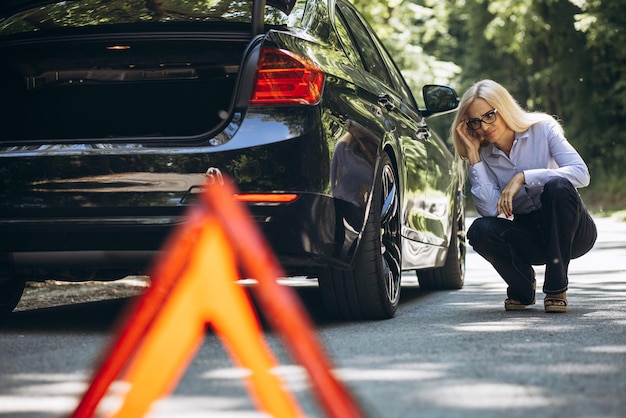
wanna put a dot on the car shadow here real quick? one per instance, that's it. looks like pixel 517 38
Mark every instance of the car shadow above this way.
pixel 104 315
pixel 97 316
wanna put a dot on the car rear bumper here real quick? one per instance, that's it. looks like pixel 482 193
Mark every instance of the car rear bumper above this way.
pixel 109 206
pixel 303 234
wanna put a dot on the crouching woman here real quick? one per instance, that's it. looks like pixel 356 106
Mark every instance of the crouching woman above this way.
pixel 524 177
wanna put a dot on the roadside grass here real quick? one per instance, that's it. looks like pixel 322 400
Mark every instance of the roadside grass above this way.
pixel 606 197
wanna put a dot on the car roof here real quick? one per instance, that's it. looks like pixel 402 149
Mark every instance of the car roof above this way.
pixel 11 6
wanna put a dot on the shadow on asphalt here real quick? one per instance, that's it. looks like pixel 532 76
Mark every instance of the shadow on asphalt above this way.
pixel 104 315
pixel 98 316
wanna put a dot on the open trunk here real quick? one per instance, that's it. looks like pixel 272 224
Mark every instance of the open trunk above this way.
pixel 81 90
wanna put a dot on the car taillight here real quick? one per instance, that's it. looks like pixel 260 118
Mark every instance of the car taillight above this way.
pixel 285 78
pixel 266 197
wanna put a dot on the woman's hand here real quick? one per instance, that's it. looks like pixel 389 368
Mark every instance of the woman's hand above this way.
pixel 471 141
pixel 505 202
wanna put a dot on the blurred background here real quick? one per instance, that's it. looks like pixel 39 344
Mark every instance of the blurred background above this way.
pixel 563 57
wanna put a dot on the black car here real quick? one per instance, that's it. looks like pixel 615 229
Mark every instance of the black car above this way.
pixel 117 113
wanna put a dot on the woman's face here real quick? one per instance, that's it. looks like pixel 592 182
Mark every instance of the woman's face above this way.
pixel 497 132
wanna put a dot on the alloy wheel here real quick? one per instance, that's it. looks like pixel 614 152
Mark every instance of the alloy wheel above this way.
pixel 390 232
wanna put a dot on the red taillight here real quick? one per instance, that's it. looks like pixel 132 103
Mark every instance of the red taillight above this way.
pixel 266 197
pixel 284 78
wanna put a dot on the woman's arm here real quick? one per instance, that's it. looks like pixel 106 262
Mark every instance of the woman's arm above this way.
pixel 570 164
pixel 485 190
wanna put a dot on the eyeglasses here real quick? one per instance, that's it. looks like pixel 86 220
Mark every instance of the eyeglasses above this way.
pixel 488 118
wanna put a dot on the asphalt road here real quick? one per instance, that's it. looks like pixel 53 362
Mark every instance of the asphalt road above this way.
pixel 445 354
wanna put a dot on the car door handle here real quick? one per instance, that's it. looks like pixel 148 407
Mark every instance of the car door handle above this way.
pixel 385 100
pixel 422 132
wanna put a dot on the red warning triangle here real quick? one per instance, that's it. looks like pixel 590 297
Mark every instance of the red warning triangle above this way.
pixel 193 286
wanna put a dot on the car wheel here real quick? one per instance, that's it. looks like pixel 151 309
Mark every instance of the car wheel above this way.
pixel 11 290
pixel 452 274
pixel 371 289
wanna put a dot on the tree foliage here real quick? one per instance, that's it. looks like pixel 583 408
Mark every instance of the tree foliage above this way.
pixel 564 57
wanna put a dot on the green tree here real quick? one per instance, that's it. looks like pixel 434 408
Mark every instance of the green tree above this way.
pixel 601 123
pixel 402 26
pixel 564 57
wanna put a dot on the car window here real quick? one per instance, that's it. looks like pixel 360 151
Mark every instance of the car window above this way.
pixel 366 47
pixel 84 13
pixel 346 41
pixel 396 75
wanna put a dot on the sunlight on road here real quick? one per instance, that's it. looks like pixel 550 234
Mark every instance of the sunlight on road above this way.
pixel 607 349
pixel 493 326
pixel 480 395
pixel 43 393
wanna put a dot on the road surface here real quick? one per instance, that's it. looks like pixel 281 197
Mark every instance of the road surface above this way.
pixel 446 354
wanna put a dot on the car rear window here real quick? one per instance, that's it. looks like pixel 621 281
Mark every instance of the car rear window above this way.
pixel 86 13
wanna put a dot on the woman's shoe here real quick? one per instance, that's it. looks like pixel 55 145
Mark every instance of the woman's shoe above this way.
pixel 555 303
pixel 516 305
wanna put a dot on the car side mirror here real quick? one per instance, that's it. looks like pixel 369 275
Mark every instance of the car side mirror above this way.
pixel 439 99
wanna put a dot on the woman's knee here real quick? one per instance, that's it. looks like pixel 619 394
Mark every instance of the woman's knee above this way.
pixel 559 193
pixel 558 187
pixel 480 230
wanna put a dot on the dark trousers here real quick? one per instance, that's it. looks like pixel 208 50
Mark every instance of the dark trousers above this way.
pixel 560 231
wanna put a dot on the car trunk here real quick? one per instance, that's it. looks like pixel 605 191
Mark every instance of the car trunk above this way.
pixel 81 90
pixel 107 130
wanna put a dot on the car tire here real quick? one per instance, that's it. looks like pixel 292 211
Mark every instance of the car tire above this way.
pixel 371 289
pixel 11 290
pixel 452 274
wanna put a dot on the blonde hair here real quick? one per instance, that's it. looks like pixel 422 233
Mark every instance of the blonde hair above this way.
pixel 518 119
